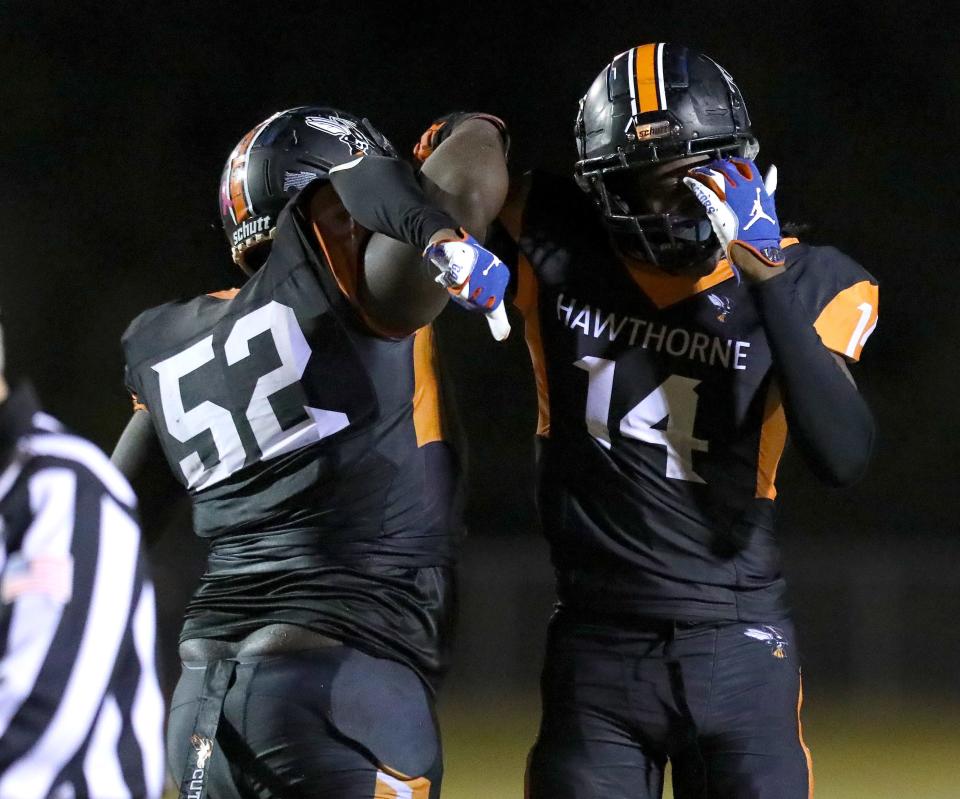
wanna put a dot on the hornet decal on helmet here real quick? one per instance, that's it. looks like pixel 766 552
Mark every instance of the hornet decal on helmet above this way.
pixel 344 129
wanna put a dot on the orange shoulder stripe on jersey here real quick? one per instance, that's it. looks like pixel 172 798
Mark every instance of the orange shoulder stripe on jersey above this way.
pixel 665 289
pixel 427 417
pixel 773 438
pixel 646 78
pixel 528 305
pixel 226 294
pixel 847 321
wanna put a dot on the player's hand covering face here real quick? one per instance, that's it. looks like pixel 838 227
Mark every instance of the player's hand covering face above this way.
pixel 741 210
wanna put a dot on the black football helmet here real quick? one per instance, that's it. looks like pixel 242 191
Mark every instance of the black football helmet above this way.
pixel 652 105
pixel 276 160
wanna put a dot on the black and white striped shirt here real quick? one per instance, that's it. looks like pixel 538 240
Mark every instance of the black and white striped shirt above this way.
pixel 81 713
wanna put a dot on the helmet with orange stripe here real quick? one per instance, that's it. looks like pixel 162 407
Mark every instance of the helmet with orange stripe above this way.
pixel 654 112
pixel 278 158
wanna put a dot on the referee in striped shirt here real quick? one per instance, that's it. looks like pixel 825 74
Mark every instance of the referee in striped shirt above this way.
pixel 81 714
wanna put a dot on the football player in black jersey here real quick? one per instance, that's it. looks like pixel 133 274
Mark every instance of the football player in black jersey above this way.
pixel 302 413
pixel 675 337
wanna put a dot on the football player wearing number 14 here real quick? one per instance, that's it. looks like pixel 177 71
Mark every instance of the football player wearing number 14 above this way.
pixel 304 418
pixel 675 336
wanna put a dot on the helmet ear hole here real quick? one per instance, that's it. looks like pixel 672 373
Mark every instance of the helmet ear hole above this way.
pixel 251 258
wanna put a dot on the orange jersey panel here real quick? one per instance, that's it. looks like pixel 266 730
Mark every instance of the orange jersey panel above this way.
pixel 849 318
pixel 666 289
pixel 773 438
pixel 427 413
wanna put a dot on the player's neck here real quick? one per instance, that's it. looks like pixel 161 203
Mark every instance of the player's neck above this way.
pixel 4 390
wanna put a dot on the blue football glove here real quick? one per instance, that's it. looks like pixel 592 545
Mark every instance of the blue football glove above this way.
pixel 475 278
pixel 740 206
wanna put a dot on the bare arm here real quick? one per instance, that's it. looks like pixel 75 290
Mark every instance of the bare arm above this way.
pixel 466 176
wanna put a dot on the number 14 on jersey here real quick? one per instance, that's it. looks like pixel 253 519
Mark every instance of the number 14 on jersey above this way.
pixel 674 400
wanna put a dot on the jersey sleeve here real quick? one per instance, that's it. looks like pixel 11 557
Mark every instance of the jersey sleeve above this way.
pixel 840 296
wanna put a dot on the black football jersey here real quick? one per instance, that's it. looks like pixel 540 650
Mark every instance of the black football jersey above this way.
pixel 326 498
pixel 660 421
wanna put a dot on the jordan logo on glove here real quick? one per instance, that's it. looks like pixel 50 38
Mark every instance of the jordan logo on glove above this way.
pixel 757 213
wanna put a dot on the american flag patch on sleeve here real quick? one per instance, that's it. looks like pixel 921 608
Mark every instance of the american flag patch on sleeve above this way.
pixel 50 576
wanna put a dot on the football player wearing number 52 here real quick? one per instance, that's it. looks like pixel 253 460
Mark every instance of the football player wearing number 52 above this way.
pixel 676 336
pixel 304 416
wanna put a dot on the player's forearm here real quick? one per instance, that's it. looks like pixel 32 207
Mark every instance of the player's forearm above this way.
pixel 829 420
pixel 383 195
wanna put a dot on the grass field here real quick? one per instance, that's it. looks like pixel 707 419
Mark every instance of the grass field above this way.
pixel 860 751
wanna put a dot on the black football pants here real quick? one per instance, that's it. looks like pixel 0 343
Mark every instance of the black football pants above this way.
pixel 720 701
pixel 331 723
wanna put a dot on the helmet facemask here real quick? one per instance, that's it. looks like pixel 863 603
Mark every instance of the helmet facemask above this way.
pixel 651 214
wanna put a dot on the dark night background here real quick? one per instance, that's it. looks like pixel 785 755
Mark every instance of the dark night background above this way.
pixel 116 120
